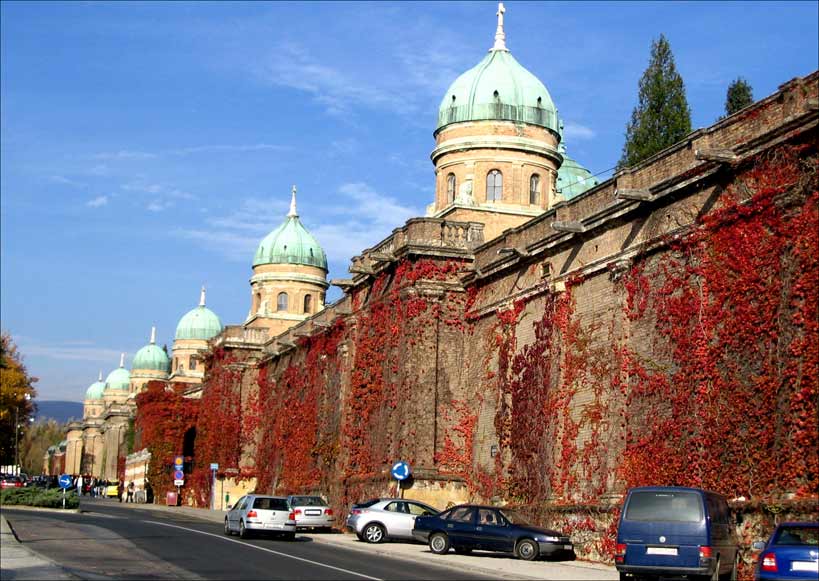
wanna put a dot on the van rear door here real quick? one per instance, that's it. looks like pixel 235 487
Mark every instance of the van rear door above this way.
pixel 663 529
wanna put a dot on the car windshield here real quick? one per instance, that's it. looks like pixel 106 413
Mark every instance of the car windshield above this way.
pixel 797 535
pixel 515 518
pixel 307 501
pixel 270 504
pixel 671 506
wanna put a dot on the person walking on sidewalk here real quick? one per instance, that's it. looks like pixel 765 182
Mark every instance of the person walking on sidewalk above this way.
pixel 78 484
pixel 121 489
pixel 130 492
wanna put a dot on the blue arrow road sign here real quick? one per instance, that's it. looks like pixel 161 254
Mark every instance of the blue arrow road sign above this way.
pixel 65 481
pixel 400 471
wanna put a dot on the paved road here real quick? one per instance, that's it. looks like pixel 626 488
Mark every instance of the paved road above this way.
pixel 112 542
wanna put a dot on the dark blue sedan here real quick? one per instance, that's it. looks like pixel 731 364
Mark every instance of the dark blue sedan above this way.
pixel 468 527
pixel 792 552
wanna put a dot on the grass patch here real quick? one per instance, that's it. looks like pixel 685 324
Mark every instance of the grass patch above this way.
pixel 33 496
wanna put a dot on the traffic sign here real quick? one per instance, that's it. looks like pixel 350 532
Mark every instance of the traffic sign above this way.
pixel 214 466
pixel 178 475
pixel 400 471
pixel 64 481
pixel 178 482
pixel 178 462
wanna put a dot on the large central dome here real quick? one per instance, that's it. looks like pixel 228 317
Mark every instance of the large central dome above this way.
pixel 498 88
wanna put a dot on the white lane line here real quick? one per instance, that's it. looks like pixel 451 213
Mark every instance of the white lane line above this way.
pixel 263 549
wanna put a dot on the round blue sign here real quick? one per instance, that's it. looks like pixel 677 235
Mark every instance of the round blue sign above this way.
pixel 178 475
pixel 65 481
pixel 400 471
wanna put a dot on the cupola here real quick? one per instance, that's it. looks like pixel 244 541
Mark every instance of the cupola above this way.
pixel 119 379
pixel 151 357
pixel 96 389
pixel 199 323
pixel 572 178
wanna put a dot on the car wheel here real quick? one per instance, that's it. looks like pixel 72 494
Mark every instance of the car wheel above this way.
pixel 374 533
pixel 243 532
pixel 527 550
pixel 228 532
pixel 439 543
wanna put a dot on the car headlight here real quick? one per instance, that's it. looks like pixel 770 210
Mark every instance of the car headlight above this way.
pixel 549 539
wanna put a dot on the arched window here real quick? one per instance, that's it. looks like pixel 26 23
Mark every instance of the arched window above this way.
pixel 450 188
pixel 308 303
pixel 192 364
pixel 534 189
pixel 257 302
pixel 281 302
pixel 494 186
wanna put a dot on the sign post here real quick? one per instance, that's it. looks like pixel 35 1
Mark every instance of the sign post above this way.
pixel 178 474
pixel 400 471
pixel 213 468
pixel 65 482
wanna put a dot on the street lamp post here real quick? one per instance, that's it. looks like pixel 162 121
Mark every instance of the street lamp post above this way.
pixel 16 436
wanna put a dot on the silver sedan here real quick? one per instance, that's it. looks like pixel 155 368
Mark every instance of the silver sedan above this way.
pixel 262 514
pixel 376 520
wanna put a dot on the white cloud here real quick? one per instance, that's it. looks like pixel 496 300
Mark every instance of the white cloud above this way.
pixel 360 218
pixel 68 350
pixel 66 181
pixel 577 132
pixel 124 154
pixel 97 202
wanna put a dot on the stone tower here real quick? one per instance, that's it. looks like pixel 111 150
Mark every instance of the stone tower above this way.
pixel 289 276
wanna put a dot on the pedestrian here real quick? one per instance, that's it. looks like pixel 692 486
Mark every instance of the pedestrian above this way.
pixel 130 492
pixel 78 484
pixel 92 487
pixel 121 489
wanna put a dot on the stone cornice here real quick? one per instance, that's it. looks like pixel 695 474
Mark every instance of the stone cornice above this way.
pixel 289 277
pixel 502 142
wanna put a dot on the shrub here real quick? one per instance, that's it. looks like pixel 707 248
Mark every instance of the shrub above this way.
pixel 38 497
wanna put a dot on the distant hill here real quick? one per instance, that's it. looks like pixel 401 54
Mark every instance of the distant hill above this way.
pixel 61 411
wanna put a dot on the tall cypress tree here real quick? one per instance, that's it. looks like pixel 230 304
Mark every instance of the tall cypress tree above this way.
pixel 739 96
pixel 662 116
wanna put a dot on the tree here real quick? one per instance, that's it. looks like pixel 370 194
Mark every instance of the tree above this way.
pixel 16 397
pixel 662 116
pixel 739 96
pixel 35 443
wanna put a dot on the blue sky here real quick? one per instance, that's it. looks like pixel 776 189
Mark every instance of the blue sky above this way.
pixel 148 147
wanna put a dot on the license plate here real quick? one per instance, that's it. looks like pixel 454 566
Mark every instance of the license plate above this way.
pixel 805 566
pixel 567 547
pixel 661 551
pixel 312 513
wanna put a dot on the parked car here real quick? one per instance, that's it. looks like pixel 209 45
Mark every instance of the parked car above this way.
pixel 386 518
pixel 674 531
pixel 467 527
pixel 311 512
pixel 255 513
pixel 792 552
pixel 11 481
pixel 112 491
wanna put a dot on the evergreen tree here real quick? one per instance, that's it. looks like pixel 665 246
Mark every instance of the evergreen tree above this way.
pixel 661 117
pixel 739 96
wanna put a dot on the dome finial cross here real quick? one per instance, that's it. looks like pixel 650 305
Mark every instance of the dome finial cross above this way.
pixel 293 213
pixel 500 36
pixel 202 297
pixel 122 360
pixel 153 335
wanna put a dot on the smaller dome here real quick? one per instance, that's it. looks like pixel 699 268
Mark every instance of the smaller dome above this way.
pixel 151 357
pixel 119 379
pixel 572 178
pixel 291 243
pixel 199 323
pixel 95 390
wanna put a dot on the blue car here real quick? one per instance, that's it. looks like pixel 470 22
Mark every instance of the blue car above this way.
pixel 468 527
pixel 792 552
pixel 671 531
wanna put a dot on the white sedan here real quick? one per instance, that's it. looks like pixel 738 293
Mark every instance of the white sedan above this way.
pixel 377 520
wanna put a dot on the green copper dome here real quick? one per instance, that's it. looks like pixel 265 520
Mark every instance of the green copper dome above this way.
pixel 152 357
pixel 572 178
pixel 290 243
pixel 95 390
pixel 199 323
pixel 119 379
pixel 500 88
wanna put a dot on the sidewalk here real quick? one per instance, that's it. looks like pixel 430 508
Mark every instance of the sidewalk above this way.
pixel 497 565
pixel 19 562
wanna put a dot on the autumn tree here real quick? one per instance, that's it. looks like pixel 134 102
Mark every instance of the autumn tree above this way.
pixel 36 441
pixel 662 116
pixel 739 96
pixel 16 398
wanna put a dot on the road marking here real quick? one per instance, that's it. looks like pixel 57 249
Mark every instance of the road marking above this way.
pixel 264 549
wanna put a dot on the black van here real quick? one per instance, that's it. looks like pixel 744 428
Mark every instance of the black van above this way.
pixel 676 532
